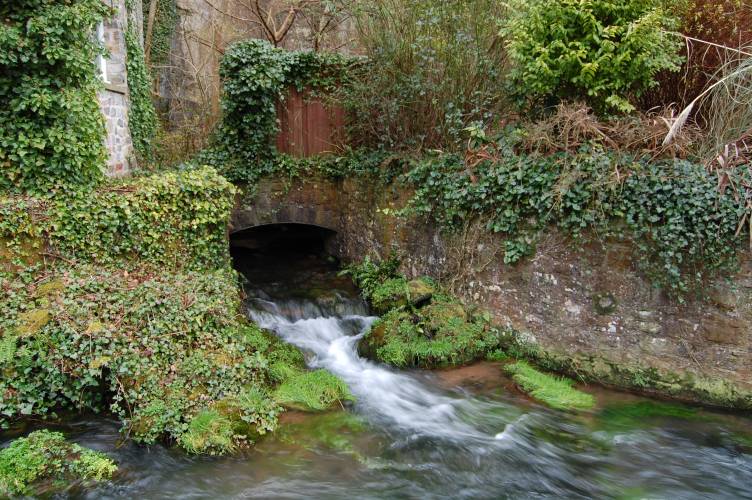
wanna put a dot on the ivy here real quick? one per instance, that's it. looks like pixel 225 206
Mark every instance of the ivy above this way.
pixel 174 218
pixel 255 75
pixel 165 21
pixel 142 117
pixel 51 128
pixel 684 228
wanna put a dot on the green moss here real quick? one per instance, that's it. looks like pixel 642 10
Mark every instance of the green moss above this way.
pixel 33 464
pixel 52 287
pixel 556 392
pixel 209 433
pixel 31 322
pixel 313 391
pixel 642 413
pixel 440 334
pixel 335 431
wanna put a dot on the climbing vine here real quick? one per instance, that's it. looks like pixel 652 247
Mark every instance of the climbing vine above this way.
pixel 255 74
pixel 165 20
pixel 684 227
pixel 142 117
pixel 51 128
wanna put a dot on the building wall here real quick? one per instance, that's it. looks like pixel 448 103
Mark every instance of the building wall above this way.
pixel 113 99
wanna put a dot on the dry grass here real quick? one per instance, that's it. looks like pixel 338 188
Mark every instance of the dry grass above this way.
pixel 573 125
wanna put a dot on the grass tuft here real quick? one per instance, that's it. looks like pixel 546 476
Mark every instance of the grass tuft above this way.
pixel 556 392
pixel 313 390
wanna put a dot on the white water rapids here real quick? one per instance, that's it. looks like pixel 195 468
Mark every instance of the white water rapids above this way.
pixel 331 335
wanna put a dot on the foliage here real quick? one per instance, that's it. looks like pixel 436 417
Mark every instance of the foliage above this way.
pixel 255 76
pixel 708 25
pixel 434 67
pixel 729 114
pixel 142 117
pixel 208 433
pixel 369 276
pixel 163 346
pixel 605 52
pixel 434 331
pixel 173 218
pixel 313 390
pixel 30 464
pixel 683 225
pixel 51 129
pixel 556 392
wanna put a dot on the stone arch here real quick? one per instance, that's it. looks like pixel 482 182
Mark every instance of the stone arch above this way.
pixel 314 204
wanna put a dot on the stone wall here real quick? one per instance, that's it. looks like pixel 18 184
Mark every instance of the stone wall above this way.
pixel 581 308
pixel 113 99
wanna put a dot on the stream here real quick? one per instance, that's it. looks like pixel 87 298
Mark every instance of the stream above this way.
pixel 461 433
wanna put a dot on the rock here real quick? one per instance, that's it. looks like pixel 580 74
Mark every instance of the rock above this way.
pixel 723 329
pixel 723 298
pixel 397 292
pixel 420 292
pixel 649 327
pixel 440 313
pixel 604 303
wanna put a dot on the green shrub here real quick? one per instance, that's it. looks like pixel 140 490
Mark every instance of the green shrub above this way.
pixel 51 127
pixel 684 227
pixel 600 51
pixel 313 390
pixel 556 392
pixel 43 459
pixel 437 335
pixel 162 345
pixel 434 67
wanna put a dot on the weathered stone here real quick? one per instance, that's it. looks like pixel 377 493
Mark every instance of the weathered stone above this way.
pixel 723 329
pixel 650 342
pixel 648 327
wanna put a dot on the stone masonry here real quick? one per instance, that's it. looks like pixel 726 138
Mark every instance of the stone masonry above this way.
pixel 113 99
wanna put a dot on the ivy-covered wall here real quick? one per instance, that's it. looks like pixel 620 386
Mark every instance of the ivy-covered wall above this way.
pixel 51 128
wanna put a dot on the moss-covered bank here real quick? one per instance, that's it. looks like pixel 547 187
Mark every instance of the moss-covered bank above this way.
pixel 122 299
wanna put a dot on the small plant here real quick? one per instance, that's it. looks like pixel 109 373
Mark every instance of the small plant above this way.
pixel 556 392
pixel 369 276
pixel 43 459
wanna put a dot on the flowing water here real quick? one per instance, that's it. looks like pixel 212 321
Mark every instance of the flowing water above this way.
pixel 463 433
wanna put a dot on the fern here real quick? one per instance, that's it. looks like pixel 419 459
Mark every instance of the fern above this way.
pixel 7 348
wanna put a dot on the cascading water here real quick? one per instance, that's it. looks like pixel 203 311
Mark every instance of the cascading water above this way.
pixel 386 397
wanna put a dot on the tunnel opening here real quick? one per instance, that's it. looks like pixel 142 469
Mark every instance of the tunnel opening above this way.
pixel 282 252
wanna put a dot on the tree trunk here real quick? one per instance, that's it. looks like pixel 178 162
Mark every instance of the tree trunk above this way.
pixel 149 29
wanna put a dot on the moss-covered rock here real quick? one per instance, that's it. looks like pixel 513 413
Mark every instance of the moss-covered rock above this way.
pixel 556 392
pixel 313 391
pixel 50 288
pixel 44 460
pixel 398 292
pixel 441 334
pixel 31 322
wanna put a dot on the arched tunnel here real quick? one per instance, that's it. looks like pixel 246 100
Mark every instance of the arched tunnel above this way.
pixel 263 251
